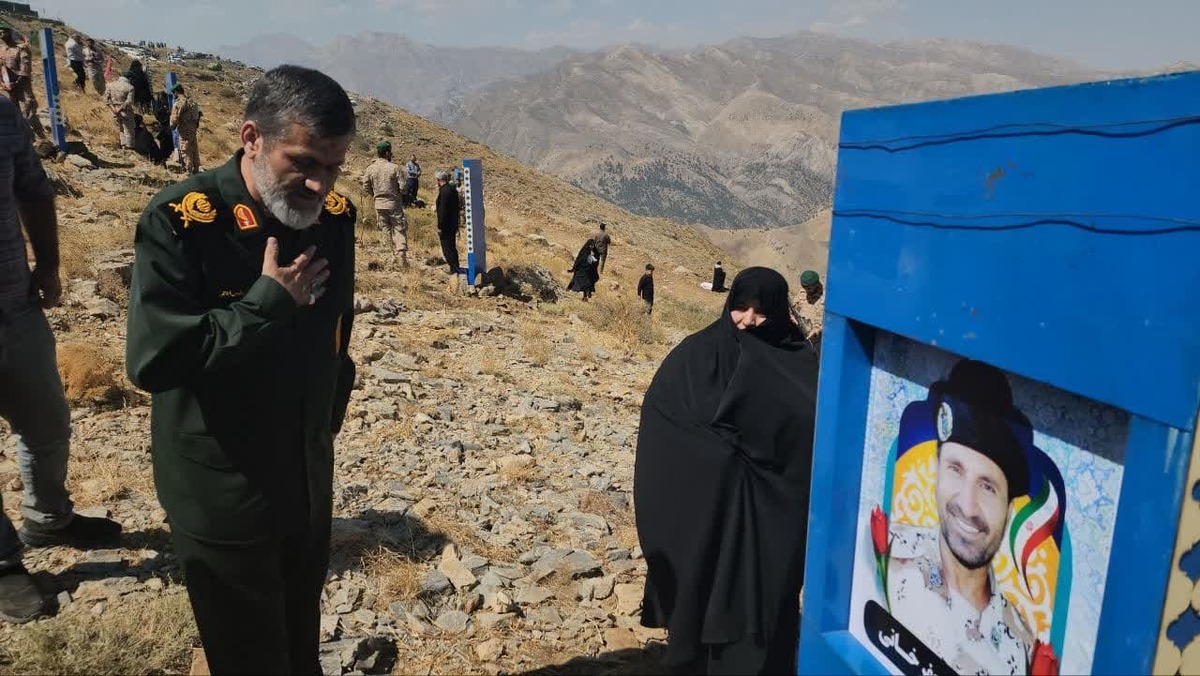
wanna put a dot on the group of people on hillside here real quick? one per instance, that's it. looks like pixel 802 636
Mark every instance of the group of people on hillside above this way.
pixel 248 365
pixel 129 98
pixel 393 189
pixel 589 263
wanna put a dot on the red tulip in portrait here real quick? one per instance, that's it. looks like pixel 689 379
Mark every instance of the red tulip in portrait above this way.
pixel 1044 662
pixel 881 540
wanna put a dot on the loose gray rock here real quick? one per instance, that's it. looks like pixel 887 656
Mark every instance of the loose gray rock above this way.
pixel 453 621
pixel 434 582
pixel 581 564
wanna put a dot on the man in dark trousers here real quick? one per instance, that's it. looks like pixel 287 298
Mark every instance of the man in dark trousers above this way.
pixel 448 206
pixel 645 289
pixel 240 313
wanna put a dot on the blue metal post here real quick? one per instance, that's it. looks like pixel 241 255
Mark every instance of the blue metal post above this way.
pixel 58 130
pixel 172 80
pixel 472 176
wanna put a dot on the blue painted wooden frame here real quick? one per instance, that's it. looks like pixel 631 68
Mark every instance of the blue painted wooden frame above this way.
pixel 986 226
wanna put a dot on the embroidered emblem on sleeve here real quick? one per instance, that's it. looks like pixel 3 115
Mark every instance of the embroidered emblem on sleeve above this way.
pixel 195 207
pixel 336 204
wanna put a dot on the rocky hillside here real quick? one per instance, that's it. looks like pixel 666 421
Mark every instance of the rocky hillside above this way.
pixel 737 135
pixel 394 68
pixel 483 511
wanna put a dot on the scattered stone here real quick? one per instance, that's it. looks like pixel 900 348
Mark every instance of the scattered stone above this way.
pixel 81 162
pixel 545 615
pixel 620 639
pixel 329 627
pixel 629 598
pixel 434 582
pixel 490 650
pixel 454 570
pixel 472 602
pixel 494 620
pixel 581 564
pixel 531 596
pixel 453 621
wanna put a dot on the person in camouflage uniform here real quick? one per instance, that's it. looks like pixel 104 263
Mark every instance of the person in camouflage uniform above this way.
pixel 809 311
pixel 93 63
pixel 17 78
pixel 240 315
pixel 185 119
pixel 382 181
pixel 119 99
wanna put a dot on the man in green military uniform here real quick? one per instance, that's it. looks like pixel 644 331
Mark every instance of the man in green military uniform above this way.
pixel 240 312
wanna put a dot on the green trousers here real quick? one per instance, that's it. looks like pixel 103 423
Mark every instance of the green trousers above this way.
pixel 258 607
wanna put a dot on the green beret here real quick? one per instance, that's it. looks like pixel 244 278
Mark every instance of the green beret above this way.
pixel 383 146
pixel 809 278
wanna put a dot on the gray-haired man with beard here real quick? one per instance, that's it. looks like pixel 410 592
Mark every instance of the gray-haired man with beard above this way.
pixel 239 319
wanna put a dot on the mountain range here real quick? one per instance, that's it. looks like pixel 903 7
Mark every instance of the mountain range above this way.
pixel 737 135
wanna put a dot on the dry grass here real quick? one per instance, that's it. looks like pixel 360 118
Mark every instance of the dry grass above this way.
pixel 538 352
pixel 622 317
pixel 154 636
pixel 80 243
pixel 465 536
pixel 395 576
pixel 519 474
pixel 96 480
pixel 90 375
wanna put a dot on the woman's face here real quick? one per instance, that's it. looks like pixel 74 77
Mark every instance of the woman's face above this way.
pixel 747 317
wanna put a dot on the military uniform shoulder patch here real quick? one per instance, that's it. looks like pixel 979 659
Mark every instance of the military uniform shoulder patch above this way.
pixel 244 215
pixel 194 207
pixel 337 204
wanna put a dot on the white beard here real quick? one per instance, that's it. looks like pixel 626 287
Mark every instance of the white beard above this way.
pixel 275 198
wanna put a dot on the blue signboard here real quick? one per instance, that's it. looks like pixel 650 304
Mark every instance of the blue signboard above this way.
pixel 1010 377
pixel 472 178
pixel 58 128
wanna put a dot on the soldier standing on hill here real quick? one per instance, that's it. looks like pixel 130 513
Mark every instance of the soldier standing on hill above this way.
pixel 185 119
pixel 119 99
pixel 240 313
pixel 93 62
pixel 602 240
pixel 382 181
pixel 31 390
pixel 809 311
pixel 16 78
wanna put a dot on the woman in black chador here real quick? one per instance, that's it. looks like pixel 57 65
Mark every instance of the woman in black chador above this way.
pixel 586 270
pixel 721 483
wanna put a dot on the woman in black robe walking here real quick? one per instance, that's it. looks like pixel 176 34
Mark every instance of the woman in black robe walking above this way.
pixel 586 270
pixel 721 485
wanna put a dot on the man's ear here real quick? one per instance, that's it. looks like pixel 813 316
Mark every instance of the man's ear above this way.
pixel 252 141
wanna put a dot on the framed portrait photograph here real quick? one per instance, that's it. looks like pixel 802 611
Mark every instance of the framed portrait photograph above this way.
pixel 972 555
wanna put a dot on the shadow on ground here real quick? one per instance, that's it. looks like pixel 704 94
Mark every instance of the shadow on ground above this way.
pixel 616 663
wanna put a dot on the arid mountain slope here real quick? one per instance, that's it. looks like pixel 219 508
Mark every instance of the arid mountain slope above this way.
pixel 736 135
pixel 399 70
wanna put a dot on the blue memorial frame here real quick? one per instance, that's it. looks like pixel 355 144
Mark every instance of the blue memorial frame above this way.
pixel 973 224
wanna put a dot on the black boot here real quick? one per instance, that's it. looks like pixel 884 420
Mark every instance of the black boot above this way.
pixel 82 532
pixel 20 598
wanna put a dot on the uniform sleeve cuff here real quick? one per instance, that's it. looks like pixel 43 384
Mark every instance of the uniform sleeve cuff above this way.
pixel 275 301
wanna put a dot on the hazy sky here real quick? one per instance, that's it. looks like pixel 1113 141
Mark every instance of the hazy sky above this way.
pixel 1112 34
